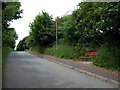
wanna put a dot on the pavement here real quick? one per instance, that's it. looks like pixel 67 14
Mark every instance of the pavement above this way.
pixel 25 70
pixel 87 68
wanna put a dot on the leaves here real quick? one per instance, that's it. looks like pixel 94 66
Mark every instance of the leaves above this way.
pixel 95 20
pixel 22 45
pixel 42 29
pixel 10 11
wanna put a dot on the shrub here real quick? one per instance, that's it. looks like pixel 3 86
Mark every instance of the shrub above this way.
pixel 108 57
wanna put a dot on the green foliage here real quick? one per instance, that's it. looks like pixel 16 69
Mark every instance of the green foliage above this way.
pixel 10 37
pixel 30 41
pixel 108 57
pixel 85 22
pixel 38 49
pixel 42 29
pixel 5 52
pixel 87 29
pixel 66 27
pixel 22 45
pixel 95 22
pixel 62 51
pixel 10 11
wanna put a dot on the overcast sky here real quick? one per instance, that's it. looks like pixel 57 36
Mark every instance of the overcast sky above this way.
pixel 31 8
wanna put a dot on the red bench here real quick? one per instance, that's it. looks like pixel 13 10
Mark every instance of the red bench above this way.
pixel 89 55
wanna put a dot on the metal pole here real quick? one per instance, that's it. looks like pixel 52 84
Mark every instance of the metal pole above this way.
pixel 56 35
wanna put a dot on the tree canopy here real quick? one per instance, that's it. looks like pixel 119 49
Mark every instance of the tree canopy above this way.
pixel 98 22
pixel 22 45
pixel 10 11
pixel 42 29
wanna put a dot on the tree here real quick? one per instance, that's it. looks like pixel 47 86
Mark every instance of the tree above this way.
pixel 109 24
pixel 11 37
pixel 66 28
pixel 10 11
pixel 22 45
pixel 30 41
pixel 42 29
pixel 97 22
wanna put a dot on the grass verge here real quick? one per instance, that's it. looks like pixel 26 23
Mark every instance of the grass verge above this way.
pixel 36 49
pixel 5 52
pixel 61 51
pixel 108 55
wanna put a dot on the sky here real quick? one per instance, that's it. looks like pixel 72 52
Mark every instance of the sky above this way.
pixel 31 8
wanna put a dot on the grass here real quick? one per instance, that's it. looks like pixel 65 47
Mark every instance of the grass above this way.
pixel 108 55
pixel 36 49
pixel 61 51
pixel 5 52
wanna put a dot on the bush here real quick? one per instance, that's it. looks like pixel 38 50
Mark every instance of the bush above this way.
pixel 108 57
pixel 80 50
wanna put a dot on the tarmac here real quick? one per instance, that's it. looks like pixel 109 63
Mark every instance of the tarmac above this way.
pixel 25 71
pixel 86 68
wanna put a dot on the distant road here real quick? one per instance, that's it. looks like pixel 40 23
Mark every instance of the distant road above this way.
pixel 24 70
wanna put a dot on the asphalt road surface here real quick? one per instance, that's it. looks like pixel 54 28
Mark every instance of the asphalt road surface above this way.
pixel 24 70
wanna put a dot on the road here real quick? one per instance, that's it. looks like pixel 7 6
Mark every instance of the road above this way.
pixel 24 70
